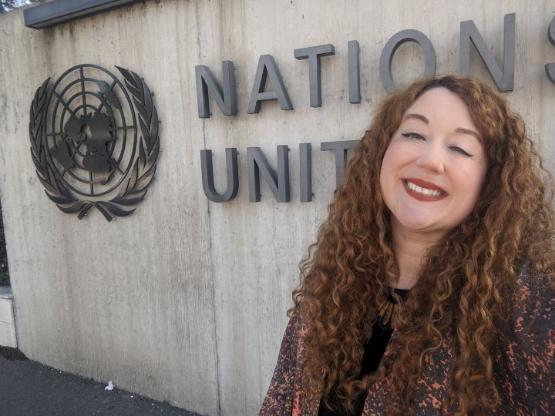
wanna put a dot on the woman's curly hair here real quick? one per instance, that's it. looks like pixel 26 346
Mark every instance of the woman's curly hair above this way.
pixel 466 278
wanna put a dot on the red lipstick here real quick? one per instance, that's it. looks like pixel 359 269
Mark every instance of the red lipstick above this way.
pixel 422 197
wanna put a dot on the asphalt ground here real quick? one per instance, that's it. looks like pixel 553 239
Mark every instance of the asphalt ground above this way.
pixel 28 388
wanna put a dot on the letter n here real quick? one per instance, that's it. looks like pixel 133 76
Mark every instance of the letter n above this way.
pixel 259 166
pixel 206 83
pixel 504 77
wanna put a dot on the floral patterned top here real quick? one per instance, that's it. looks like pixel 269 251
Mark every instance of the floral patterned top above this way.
pixel 523 364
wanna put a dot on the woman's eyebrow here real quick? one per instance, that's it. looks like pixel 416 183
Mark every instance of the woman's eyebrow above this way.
pixel 416 116
pixel 471 132
pixel 458 129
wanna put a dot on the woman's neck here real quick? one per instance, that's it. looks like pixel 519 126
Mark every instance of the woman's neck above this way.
pixel 410 249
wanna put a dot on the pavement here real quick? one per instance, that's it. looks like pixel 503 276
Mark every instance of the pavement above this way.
pixel 28 388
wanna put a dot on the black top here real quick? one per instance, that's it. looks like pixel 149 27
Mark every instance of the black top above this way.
pixel 373 353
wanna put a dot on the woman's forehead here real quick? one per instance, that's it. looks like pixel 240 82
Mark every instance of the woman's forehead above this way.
pixel 440 105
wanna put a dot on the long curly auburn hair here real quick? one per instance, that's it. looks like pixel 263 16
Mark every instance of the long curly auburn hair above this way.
pixel 466 278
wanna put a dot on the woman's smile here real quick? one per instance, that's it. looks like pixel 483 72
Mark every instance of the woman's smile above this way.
pixel 423 191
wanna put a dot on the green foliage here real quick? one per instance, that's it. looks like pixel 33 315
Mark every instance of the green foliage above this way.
pixel 4 276
pixel 9 5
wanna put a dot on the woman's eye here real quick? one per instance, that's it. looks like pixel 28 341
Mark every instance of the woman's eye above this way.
pixel 412 135
pixel 461 151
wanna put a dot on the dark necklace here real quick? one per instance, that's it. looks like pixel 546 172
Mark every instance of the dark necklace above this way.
pixel 388 310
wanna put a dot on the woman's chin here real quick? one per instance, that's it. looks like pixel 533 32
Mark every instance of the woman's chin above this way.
pixel 418 224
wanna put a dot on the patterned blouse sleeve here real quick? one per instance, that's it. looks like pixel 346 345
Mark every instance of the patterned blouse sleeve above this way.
pixel 526 359
pixel 280 396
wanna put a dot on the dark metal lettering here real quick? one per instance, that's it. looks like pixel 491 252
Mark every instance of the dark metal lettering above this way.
pixel 313 55
pixel 257 166
pixel 503 77
pixel 232 173
pixel 305 157
pixel 550 68
pixel 354 71
pixel 206 83
pixel 267 67
pixel 386 58
pixel 340 148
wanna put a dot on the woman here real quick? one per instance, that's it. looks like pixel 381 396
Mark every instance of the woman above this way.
pixel 429 288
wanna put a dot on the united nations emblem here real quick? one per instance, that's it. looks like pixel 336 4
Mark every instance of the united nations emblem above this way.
pixel 94 140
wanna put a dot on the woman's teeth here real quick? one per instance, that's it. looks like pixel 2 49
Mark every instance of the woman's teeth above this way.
pixel 421 190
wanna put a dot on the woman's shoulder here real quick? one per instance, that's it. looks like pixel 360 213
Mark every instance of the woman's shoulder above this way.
pixel 525 356
pixel 533 298
pixel 532 283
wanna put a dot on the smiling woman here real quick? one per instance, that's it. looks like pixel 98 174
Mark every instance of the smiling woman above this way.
pixel 429 289
pixel 431 175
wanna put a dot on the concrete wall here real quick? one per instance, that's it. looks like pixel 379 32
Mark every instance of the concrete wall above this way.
pixel 185 300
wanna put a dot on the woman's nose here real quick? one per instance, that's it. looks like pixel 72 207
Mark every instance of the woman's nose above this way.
pixel 432 158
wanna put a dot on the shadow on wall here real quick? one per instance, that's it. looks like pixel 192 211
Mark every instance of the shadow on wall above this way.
pixel 4 275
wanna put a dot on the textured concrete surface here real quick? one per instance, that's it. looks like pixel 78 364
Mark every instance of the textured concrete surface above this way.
pixel 28 388
pixel 7 321
pixel 185 300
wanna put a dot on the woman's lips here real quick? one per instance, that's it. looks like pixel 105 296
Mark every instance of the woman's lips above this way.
pixel 423 197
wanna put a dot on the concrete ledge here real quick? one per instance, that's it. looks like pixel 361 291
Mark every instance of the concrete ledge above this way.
pixel 7 321
pixel 59 11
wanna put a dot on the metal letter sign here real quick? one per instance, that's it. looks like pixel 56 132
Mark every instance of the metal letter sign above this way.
pixel 550 68
pixel 94 140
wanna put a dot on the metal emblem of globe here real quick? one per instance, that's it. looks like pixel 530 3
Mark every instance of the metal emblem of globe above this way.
pixel 94 140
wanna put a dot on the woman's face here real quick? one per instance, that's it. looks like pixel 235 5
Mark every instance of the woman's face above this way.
pixel 434 167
